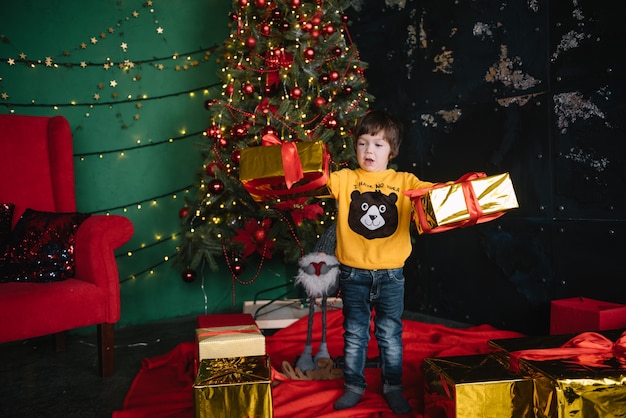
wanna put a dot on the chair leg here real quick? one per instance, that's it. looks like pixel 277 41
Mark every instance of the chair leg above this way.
pixel 106 349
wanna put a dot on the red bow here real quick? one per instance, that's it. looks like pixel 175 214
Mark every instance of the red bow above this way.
pixel 587 349
pixel 292 166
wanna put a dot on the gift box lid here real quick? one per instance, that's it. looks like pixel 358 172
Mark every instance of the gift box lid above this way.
pixel 233 371
pixel 471 368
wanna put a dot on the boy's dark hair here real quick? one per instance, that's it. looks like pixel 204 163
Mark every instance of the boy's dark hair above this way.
pixel 375 121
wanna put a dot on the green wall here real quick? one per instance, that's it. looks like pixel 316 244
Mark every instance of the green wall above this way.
pixel 135 124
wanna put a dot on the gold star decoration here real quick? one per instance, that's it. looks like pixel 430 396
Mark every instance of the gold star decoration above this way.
pixel 103 35
pixel 124 46
pixel 5 96
pixel 66 53
pixel 96 96
pixel 48 61
pixel 107 65
pixel 139 105
pixel 83 64
pixel 111 30
pixel 11 61
pixel 94 40
pixel 113 83
pixel 135 13
pixel 100 86
pixel 137 116
pixel 159 30
pixel 22 55
pixel 114 95
pixel 160 66
pixel 83 45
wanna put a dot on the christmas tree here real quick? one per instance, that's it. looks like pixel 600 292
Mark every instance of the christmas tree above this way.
pixel 291 73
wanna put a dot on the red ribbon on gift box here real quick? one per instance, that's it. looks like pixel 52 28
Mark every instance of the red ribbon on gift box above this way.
pixel 474 209
pixel 292 166
pixel 586 349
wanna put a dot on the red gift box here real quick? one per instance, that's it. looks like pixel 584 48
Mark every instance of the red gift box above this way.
pixel 581 314
pixel 225 320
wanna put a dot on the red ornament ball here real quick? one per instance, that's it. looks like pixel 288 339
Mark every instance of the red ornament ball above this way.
pixel 307 27
pixel 309 53
pixel 260 3
pixel 266 29
pixel 295 3
pixel 324 79
pixel 188 275
pixel 337 51
pixel 316 20
pixel 243 3
pixel 330 123
pixel 214 132
pixel 212 169
pixel 296 92
pixel 229 90
pixel 268 129
pixel 347 90
pixel 319 101
pixel 239 131
pixel 238 268
pixel 334 75
pixel 222 142
pixel 236 156
pixel 315 33
pixel 216 186
pixel 329 29
pixel 251 42
pixel 183 212
pixel 248 88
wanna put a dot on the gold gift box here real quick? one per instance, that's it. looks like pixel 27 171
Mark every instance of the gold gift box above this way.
pixel 233 388
pixel 474 386
pixel 230 341
pixel 262 174
pixel 565 389
pixel 447 205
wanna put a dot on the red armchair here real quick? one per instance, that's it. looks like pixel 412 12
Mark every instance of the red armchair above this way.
pixel 37 172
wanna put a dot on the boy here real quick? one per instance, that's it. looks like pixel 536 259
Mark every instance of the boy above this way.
pixel 373 243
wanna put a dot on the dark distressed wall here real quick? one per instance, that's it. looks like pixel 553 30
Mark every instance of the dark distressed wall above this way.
pixel 533 88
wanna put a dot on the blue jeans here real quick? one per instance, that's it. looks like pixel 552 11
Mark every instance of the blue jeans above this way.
pixel 382 291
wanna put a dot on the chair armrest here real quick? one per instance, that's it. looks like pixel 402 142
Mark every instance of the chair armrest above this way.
pixel 96 240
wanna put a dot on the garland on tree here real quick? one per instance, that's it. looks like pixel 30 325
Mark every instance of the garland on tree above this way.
pixel 289 70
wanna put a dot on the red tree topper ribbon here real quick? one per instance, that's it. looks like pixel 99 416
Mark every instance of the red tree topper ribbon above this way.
pixel 587 349
pixel 292 166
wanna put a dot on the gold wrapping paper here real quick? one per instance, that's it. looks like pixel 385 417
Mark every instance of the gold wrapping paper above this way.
pixel 565 389
pixel 232 341
pixel 261 169
pixel 233 388
pixel 475 386
pixel 446 205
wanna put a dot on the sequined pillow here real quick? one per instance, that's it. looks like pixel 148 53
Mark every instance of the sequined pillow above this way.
pixel 6 216
pixel 41 247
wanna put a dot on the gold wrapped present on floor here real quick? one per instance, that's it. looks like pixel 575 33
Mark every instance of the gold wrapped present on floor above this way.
pixel 474 386
pixel 285 169
pixel 474 198
pixel 582 377
pixel 233 388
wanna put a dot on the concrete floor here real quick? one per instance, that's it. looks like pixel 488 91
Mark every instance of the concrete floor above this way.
pixel 37 381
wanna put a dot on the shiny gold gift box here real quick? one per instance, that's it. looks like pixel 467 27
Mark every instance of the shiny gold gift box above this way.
pixel 474 386
pixel 570 387
pixel 262 172
pixel 230 341
pixel 474 198
pixel 235 387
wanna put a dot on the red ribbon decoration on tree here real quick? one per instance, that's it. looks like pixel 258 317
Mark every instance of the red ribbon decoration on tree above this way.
pixel 292 166
pixel 586 349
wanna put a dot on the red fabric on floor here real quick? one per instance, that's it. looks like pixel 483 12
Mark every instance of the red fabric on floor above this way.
pixel 163 387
